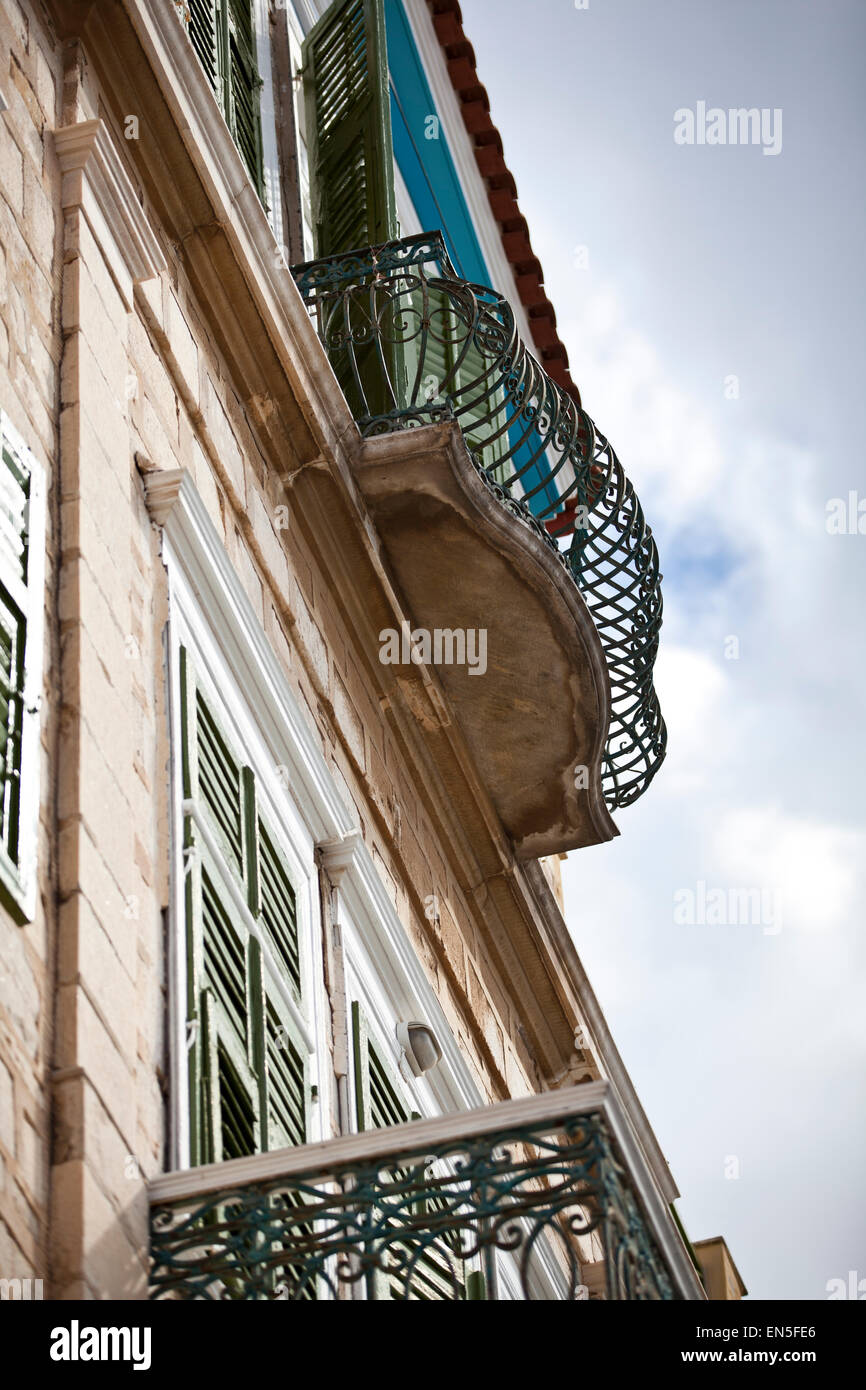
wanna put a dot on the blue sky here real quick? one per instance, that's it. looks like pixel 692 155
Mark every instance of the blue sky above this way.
pixel 706 263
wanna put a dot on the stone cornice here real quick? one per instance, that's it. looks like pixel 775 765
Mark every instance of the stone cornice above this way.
pixel 95 180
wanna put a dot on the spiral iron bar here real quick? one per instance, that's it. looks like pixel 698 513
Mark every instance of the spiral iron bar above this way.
pixel 479 1217
pixel 412 344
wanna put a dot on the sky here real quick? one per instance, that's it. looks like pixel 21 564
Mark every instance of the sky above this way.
pixel 716 327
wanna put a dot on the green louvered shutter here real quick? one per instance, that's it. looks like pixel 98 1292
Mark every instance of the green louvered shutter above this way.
pixel 348 119
pixel 202 24
pixel 460 370
pixel 219 784
pixel 278 906
pixel 452 368
pixel 286 1064
pixel 222 32
pixel 378 1102
pixel 244 88
pixel 438 1275
pixel 224 1091
pixel 248 1066
pixel 483 415
pixel 349 128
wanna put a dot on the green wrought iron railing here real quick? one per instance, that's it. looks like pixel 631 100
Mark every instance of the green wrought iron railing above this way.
pixel 543 1198
pixel 412 344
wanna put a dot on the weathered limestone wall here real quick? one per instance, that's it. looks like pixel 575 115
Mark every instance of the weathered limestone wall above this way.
pixel 29 358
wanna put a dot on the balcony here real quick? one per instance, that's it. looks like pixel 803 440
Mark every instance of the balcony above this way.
pixel 414 347
pixel 548 1198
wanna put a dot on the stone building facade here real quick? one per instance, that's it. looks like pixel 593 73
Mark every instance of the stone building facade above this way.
pixel 206 536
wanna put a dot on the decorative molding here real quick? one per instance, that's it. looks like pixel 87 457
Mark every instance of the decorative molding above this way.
pixel 338 855
pixel 95 180
pixel 191 542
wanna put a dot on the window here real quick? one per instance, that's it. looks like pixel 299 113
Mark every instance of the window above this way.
pixel 439 1274
pixel 22 539
pixel 222 32
pixel 349 128
pixel 249 1044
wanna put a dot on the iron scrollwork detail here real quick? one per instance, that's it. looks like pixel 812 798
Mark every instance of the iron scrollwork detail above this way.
pixel 436 1224
pixel 413 344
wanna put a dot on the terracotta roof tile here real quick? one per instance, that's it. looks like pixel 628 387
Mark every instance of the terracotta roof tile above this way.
pixel 501 190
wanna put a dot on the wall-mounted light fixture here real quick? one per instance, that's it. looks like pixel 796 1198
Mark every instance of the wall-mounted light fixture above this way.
pixel 420 1048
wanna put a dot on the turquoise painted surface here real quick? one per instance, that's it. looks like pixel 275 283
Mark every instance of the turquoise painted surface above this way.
pixel 431 176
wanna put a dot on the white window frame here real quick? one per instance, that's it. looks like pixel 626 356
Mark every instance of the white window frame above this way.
pixel 211 614
pixel 19 879
pixel 268 119
pixel 203 613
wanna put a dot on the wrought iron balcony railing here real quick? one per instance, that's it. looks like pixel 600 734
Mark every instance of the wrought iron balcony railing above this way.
pixel 413 344
pixel 543 1198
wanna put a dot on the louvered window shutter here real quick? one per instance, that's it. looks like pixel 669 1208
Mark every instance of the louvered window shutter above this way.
pixel 456 368
pixel 438 1274
pixel 244 89
pixel 21 599
pixel 349 128
pixel 248 1067
pixel 222 33
pixel 378 1102
pixel 285 1060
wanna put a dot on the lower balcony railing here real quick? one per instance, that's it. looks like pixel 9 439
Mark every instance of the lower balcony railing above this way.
pixel 543 1198
pixel 413 344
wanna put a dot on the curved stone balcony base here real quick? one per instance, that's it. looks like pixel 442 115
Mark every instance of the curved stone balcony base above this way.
pixel 532 696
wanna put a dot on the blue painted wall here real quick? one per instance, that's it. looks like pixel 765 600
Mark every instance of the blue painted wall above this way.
pixel 426 165
pixel 433 182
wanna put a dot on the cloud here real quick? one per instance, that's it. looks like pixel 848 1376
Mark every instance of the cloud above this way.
pixel 818 870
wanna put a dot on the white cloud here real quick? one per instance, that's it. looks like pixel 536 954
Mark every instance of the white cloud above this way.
pixel 817 869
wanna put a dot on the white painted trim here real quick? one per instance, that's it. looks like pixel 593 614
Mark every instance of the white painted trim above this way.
pixel 407 217
pixel 199 553
pixel 267 110
pixel 178 1145
pixel 379 949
